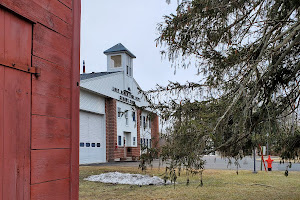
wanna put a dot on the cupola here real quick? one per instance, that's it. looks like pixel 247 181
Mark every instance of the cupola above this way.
pixel 119 58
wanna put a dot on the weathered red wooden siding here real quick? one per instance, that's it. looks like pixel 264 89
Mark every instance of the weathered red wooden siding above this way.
pixel 15 133
pixel 1 123
pixel 15 106
pixel 51 190
pixel 74 186
pixel 38 12
pixel 2 40
pixel 50 132
pixel 50 164
pixel 54 101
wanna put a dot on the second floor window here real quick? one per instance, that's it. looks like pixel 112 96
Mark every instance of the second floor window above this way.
pixel 140 120
pixel 144 121
pixel 119 112
pixel 126 118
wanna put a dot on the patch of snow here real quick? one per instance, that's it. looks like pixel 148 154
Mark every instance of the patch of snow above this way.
pixel 126 178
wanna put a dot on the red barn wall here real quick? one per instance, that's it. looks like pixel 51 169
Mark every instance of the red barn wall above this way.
pixel 54 118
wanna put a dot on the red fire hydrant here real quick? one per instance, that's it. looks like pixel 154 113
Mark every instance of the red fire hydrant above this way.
pixel 269 161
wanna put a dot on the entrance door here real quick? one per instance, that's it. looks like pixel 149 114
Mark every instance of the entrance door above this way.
pixel 125 150
pixel 15 106
pixel 127 142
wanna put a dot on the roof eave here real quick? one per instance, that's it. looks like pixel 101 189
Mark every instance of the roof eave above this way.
pixel 116 52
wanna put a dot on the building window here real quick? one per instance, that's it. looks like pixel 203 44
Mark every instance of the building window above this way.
pixel 149 123
pixel 119 112
pixel 140 120
pixel 141 142
pixel 119 140
pixel 127 70
pixel 126 118
pixel 93 145
pixel 87 144
pixel 98 145
pixel 116 61
pixel 144 122
pixel 128 66
pixel 81 144
pixel 147 143
pixel 133 140
pixel 144 142
pixel 133 116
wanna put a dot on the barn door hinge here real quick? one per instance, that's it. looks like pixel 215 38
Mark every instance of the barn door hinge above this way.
pixel 37 71
pixel 33 70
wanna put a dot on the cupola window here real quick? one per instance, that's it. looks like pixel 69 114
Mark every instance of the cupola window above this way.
pixel 116 61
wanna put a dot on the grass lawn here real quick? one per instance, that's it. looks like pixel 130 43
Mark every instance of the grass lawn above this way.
pixel 218 184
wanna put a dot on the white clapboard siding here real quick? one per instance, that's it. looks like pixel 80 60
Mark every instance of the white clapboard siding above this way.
pixel 104 84
pixel 92 102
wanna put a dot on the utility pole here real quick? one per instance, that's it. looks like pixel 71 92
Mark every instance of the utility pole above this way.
pixel 267 144
pixel 254 161
pixel 261 158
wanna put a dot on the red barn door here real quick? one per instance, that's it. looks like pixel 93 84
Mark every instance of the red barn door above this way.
pixel 15 106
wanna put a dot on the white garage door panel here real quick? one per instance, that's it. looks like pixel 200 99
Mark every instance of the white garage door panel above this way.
pixel 92 130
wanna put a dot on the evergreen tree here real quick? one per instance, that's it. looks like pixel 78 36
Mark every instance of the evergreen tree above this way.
pixel 247 55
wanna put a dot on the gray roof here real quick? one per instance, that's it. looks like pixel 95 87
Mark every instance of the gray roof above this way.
pixel 93 75
pixel 119 48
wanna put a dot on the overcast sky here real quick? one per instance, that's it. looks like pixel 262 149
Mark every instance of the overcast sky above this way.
pixel 132 23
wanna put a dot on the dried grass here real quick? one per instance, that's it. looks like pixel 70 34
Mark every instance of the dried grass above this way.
pixel 218 184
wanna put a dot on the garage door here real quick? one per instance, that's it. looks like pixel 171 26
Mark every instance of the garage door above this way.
pixel 92 138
